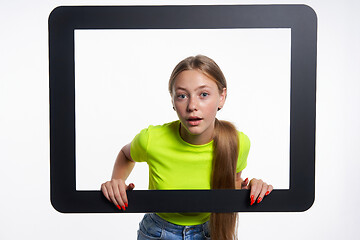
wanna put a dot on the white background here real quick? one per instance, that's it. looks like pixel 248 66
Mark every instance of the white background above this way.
pixel 121 82
pixel 25 206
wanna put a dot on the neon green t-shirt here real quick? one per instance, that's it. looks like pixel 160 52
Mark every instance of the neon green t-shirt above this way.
pixel 175 164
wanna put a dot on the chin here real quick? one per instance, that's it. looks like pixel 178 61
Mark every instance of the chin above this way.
pixel 194 130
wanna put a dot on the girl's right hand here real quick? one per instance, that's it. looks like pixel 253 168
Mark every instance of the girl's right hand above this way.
pixel 115 192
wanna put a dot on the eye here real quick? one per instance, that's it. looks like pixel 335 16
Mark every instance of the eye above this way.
pixel 204 94
pixel 181 96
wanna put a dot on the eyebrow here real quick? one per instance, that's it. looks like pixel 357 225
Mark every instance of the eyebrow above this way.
pixel 200 87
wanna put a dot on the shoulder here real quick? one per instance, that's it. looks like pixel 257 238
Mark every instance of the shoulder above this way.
pixel 159 131
pixel 244 140
pixel 243 136
pixel 149 137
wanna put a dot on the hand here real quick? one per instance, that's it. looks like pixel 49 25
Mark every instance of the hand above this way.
pixel 258 189
pixel 115 192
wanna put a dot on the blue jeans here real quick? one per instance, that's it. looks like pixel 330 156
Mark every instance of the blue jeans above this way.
pixel 154 227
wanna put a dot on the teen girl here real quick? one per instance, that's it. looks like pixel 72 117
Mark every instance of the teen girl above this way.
pixel 196 152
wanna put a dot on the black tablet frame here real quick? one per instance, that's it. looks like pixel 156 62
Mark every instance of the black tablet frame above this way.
pixel 303 23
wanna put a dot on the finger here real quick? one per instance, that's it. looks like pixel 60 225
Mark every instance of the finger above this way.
pixel 124 199
pixel 130 187
pixel 252 186
pixel 117 195
pixel 256 186
pixel 262 192
pixel 105 192
pixel 111 193
pixel 244 183
pixel 269 190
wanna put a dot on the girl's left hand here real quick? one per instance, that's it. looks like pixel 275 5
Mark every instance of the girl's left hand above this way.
pixel 258 189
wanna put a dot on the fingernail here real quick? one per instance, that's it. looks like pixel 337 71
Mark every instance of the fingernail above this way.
pixel 118 207
pixel 259 199
pixel 252 197
pixel 252 202
pixel 123 208
pixel 267 193
pixel 246 179
pixel 126 205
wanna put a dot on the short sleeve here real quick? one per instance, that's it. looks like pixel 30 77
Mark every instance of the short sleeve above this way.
pixel 244 142
pixel 138 149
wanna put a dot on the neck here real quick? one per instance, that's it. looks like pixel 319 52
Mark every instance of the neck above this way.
pixel 200 139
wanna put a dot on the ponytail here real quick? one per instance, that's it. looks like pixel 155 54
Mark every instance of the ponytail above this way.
pixel 226 151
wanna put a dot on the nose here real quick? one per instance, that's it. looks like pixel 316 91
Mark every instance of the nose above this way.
pixel 192 104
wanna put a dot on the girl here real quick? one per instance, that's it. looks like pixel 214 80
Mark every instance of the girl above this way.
pixel 196 152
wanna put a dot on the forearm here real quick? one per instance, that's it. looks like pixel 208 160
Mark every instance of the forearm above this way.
pixel 238 180
pixel 122 167
pixel 238 183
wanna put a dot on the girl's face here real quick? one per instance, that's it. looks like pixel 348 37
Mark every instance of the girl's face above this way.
pixel 196 99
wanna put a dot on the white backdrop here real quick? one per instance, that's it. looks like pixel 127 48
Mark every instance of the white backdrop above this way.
pixel 26 211
pixel 121 82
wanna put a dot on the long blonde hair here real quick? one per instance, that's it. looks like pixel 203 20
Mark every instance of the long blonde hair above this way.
pixel 225 145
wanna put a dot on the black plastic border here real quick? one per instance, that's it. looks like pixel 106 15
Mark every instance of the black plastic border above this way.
pixel 303 23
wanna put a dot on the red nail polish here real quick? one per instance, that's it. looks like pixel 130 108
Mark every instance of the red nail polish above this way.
pixel 252 197
pixel 118 207
pixel 246 179
pixel 126 205
pixel 267 193
pixel 259 199
pixel 252 201
pixel 123 208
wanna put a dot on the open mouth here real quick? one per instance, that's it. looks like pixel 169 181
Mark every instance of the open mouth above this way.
pixel 194 121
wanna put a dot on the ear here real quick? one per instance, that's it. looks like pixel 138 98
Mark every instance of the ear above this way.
pixel 172 102
pixel 222 98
